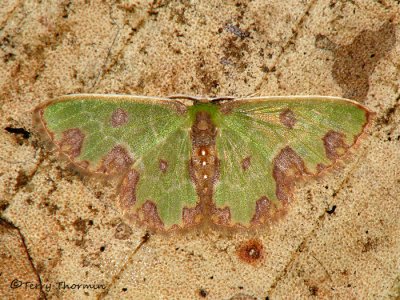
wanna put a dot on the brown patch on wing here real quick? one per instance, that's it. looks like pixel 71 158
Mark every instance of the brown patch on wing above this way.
pixel 263 211
pixel 71 142
pixel 148 215
pixel 116 161
pixel 267 212
pixel 127 190
pixel 119 117
pixel 180 108
pixel 335 145
pixel 288 166
pixel 163 165
pixel 288 118
pixel 84 164
pixel 192 216
pixel 320 168
pixel 251 251
pixel 226 108
pixel 220 216
pixel 246 163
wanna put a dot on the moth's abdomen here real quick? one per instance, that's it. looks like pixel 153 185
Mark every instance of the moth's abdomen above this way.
pixel 204 161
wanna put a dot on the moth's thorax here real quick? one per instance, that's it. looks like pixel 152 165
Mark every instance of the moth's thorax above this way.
pixel 203 164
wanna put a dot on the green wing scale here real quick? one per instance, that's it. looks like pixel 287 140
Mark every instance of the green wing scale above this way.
pixel 232 163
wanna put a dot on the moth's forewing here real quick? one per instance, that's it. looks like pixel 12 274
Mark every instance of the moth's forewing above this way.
pixel 145 139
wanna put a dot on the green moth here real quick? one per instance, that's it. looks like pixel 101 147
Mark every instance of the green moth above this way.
pixel 186 161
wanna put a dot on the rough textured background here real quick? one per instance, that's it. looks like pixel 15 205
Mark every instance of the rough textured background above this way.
pixel 341 237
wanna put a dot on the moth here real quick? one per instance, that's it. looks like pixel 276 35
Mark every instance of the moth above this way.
pixel 187 161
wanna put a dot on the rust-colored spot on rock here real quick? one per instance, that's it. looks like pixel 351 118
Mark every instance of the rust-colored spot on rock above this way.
pixel 192 216
pixel 80 225
pixel 235 51
pixel 354 63
pixel 251 251
pixel 116 161
pixel 262 214
pixel 163 165
pixel 246 163
pixel 288 118
pixel 71 142
pixel 119 117
pixel 335 145
pixel 123 231
pixel 149 215
pixel 203 293
pixel 127 190
pixel 21 180
pixel 206 76
pixel 370 244
pixel 288 166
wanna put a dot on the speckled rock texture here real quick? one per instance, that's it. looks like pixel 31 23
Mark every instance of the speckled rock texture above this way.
pixel 60 233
